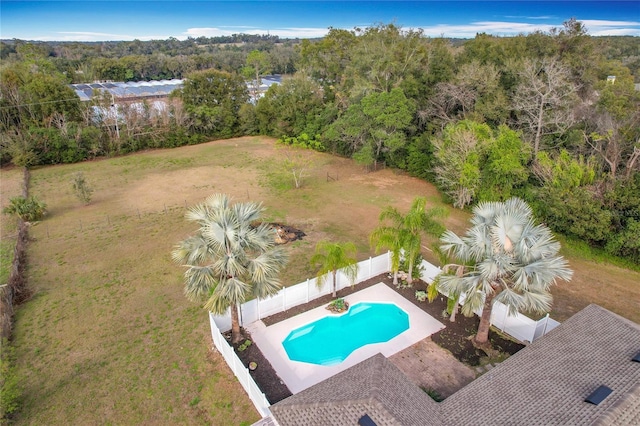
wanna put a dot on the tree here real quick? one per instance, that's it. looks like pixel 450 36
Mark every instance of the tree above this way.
pixel 81 188
pixel 258 64
pixel 375 126
pixel 329 257
pixel 544 99
pixel 229 258
pixel 213 100
pixel 405 233
pixel 458 154
pixel 29 209
pixel 512 260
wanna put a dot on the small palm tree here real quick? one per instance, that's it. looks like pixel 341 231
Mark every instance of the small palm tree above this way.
pixel 390 238
pixel 329 257
pixel 405 233
pixel 504 256
pixel 229 259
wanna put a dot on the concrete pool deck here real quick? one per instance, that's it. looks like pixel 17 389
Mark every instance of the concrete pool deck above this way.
pixel 301 375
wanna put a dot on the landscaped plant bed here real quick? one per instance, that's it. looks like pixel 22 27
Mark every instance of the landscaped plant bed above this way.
pixel 263 374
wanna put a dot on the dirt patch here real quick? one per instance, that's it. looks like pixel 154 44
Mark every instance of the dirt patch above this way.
pixel 433 368
pixel 286 234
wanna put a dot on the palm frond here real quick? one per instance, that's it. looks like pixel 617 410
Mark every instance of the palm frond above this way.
pixel 199 282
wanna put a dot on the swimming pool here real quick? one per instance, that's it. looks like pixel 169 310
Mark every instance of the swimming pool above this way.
pixel 330 340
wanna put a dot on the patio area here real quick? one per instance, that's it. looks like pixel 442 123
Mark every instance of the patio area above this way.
pixel 299 375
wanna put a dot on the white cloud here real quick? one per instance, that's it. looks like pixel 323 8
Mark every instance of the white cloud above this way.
pixel 95 36
pixel 280 32
pixel 489 27
pixel 613 28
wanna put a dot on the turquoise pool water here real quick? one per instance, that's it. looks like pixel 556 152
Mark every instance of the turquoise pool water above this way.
pixel 330 340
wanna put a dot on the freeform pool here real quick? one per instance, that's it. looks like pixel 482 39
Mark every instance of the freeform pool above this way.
pixel 330 340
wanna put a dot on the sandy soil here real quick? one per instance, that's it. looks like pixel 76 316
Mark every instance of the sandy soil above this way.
pixel 431 367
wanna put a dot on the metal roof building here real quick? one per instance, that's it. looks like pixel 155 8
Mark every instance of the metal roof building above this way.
pixel 130 90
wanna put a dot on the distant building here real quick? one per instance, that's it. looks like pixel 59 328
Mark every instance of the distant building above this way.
pixel 130 91
pixel 139 90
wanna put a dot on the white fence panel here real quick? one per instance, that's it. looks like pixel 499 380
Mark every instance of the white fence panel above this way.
pixel 544 326
pixel 315 291
pixel 380 265
pixel 255 394
pixel 271 305
pixel 223 322
pixel 429 272
pixel 519 326
pixel 296 295
pixel 364 270
pixel 249 312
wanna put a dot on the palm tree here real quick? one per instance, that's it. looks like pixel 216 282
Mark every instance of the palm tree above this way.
pixel 229 259
pixel 392 239
pixel 329 257
pixel 405 233
pixel 504 257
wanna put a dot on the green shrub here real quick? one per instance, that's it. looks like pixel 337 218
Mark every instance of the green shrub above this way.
pixel 81 188
pixel 28 209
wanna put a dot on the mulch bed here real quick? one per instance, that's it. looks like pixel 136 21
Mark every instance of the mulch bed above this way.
pixel 454 338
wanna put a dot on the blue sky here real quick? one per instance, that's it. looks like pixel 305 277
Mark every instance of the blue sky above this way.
pixel 160 19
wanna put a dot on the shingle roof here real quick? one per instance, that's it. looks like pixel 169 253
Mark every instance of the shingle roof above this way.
pixel 375 387
pixel 546 383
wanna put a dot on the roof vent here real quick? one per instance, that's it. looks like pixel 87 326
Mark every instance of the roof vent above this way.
pixel 598 395
pixel 636 358
pixel 366 421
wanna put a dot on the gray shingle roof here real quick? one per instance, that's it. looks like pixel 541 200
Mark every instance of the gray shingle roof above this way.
pixel 544 384
pixel 375 387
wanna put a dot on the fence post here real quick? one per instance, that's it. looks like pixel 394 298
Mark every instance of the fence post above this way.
pixel 370 267
pixel 546 321
pixel 504 318
pixel 284 299
pixel 258 307
pixel 307 290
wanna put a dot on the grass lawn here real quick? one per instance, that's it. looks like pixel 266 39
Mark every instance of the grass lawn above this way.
pixel 109 338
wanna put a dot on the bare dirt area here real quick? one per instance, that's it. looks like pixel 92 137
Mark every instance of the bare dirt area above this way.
pixel 433 368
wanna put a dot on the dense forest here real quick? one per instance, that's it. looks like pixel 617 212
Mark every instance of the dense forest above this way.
pixel 552 117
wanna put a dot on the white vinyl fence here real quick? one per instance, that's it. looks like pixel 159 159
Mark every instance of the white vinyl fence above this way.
pixel 241 372
pixel 301 293
pixel 284 299
pixel 519 326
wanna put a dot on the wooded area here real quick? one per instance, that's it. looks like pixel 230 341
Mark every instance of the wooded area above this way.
pixel 553 118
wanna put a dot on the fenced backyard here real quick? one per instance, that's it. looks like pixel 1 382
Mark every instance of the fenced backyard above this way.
pixel 518 326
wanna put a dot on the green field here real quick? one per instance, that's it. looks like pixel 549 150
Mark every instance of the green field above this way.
pixel 109 338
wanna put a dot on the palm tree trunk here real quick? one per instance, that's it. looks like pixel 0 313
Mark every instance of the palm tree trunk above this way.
pixel 334 283
pixel 395 278
pixel 236 337
pixel 410 275
pixel 485 320
pixel 454 310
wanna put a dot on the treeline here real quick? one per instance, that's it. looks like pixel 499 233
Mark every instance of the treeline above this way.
pixel 551 117
pixel 84 62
